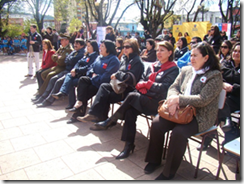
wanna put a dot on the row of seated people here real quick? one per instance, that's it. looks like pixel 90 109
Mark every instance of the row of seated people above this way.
pixel 198 85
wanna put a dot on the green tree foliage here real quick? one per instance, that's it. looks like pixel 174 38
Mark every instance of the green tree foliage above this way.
pixel 74 25
pixel 27 23
pixel 13 30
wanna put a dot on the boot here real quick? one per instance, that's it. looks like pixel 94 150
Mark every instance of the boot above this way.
pixel 103 125
pixel 129 147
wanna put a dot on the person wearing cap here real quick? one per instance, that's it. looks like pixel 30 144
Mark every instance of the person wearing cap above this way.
pixel 100 72
pixel 34 41
pixel 159 38
pixel 59 57
pixel 57 80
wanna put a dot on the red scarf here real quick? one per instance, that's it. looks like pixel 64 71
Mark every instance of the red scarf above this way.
pixel 164 67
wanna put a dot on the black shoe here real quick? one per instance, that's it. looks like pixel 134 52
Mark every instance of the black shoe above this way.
pixel 162 177
pixel 129 147
pixel 68 107
pixel 35 98
pixel 43 104
pixel 73 109
pixel 58 95
pixel 72 120
pixel 151 167
pixel 103 125
pixel 39 100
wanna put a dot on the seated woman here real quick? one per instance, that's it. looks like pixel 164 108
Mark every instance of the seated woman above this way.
pixel 47 61
pixel 232 79
pixel 119 47
pixel 149 54
pixel 130 62
pixel 104 66
pixel 150 90
pixel 224 51
pixel 80 69
pixel 181 48
pixel 198 85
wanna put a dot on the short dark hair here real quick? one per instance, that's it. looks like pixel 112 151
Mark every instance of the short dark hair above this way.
pixel 110 47
pixel 33 25
pixel 80 41
pixel 49 28
pixel 151 42
pixel 197 38
pixel 206 49
pixel 134 45
pixel 169 47
pixel 94 45
pixel 54 29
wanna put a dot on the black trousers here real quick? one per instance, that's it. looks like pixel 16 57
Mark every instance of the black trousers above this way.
pixel 39 77
pixel 129 113
pixel 104 97
pixel 177 144
pixel 85 91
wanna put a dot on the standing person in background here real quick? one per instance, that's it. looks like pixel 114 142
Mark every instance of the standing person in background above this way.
pixel 110 34
pixel 178 37
pixel 34 41
pixel 215 39
pixel 188 39
pixel 137 36
pixel 73 37
pixel 55 39
pixel 238 36
pixel 205 38
pixel 128 36
pixel 119 47
pixel 171 38
pixel 223 35
pixel 47 34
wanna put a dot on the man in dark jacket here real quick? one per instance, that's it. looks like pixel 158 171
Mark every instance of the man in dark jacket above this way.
pixel 34 41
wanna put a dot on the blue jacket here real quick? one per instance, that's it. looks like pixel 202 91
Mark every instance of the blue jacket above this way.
pixel 73 58
pixel 184 60
pixel 84 63
pixel 103 67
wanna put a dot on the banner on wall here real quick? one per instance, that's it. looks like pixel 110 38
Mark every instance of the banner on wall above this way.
pixel 193 28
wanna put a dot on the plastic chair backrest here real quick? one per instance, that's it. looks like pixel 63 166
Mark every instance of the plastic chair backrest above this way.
pixel 222 96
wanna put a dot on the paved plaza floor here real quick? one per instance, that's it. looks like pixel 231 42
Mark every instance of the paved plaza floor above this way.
pixel 37 144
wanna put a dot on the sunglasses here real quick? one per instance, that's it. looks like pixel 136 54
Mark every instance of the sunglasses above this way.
pixel 193 42
pixel 212 29
pixel 224 47
pixel 127 46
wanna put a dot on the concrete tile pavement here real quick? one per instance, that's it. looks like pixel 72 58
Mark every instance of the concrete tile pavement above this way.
pixel 37 144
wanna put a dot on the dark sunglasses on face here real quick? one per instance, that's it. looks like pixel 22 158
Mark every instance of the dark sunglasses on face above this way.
pixel 127 46
pixel 193 42
pixel 224 47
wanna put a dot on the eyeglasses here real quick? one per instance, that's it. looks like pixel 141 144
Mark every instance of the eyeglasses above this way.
pixel 212 29
pixel 193 42
pixel 224 47
pixel 127 46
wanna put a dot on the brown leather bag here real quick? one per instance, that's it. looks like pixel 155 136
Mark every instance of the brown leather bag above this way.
pixel 183 115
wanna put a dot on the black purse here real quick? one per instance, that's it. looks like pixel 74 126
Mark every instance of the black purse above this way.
pixel 120 86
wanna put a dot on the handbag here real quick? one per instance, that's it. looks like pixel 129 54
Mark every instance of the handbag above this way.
pixel 183 115
pixel 120 86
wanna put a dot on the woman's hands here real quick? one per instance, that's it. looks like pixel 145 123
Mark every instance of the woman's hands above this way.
pixel 227 87
pixel 113 76
pixel 173 104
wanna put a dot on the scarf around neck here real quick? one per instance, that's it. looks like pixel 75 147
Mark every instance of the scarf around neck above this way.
pixel 194 73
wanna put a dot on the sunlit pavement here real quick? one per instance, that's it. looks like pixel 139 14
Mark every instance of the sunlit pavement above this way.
pixel 37 144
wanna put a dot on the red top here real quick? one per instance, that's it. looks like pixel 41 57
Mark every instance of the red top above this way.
pixel 47 61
